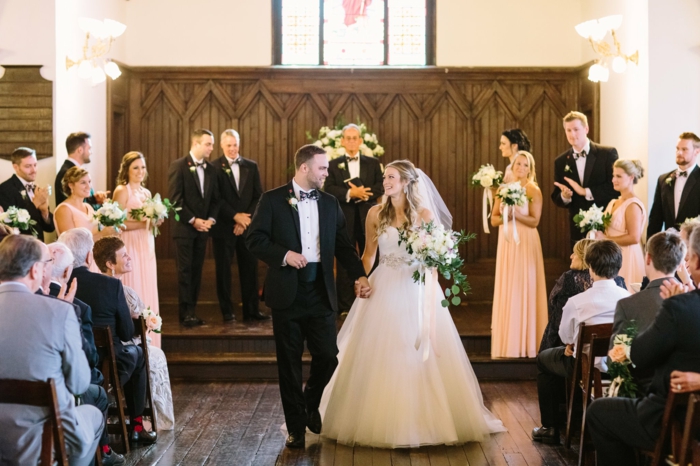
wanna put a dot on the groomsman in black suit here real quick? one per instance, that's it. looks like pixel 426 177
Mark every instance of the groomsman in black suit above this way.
pixel 582 174
pixel 21 191
pixel 355 200
pixel 297 231
pixel 79 148
pixel 677 196
pixel 193 185
pixel 240 190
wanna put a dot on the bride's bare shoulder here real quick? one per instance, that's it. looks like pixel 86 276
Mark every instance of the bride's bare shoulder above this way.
pixel 373 213
pixel 426 215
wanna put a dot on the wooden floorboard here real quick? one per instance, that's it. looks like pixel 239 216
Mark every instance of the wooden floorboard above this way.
pixel 238 423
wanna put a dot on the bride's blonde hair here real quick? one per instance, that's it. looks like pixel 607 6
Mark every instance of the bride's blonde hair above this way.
pixel 387 212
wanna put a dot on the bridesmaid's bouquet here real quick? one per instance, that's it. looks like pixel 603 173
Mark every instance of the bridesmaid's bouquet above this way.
pixel 487 177
pixel 511 195
pixel 434 247
pixel 110 215
pixel 153 320
pixel 622 384
pixel 18 219
pixel 592 220
pixel 154 210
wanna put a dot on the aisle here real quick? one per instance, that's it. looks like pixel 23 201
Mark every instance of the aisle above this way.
pixel 238 424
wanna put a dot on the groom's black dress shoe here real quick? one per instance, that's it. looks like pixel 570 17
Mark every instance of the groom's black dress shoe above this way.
pixel 313 422
pixel 296 440
pixel 192 321
pixel 549 435
pixel 255 316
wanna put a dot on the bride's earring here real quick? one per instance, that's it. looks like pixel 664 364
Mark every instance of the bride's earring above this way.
pixel 405 189
pixel 112 271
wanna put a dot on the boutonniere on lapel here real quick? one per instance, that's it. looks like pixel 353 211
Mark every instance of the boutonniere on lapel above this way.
pixel 192 167
pixel 567 168
pixel 292 200
pixel 24 194
pixel 342 166
pixel 671 178
pixel 226 168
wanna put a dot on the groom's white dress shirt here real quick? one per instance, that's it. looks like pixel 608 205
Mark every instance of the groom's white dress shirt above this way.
pixel 308 227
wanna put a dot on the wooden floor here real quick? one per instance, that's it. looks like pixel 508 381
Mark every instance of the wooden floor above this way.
pixel 239 424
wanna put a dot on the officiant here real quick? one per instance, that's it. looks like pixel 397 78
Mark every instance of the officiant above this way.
pixel 356 181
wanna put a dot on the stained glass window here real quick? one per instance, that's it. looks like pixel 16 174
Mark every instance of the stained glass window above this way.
pixel 353 32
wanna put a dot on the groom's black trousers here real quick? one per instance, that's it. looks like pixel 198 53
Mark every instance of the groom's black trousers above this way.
pixel 309 318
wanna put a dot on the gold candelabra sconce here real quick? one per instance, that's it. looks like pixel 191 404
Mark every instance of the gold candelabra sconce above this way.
pixel 99 36
pixel 595 31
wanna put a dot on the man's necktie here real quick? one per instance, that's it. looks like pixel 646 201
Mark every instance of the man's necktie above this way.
pixel 683 174
pixel 311 195
pixel 582 155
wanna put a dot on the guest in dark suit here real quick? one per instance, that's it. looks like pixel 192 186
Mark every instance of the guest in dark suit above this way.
pixel 298 231
pixel 193 186
pixel 582 174
pixel 355 201
pixel 677 195
pixel 79 148
pixel 21 191
pixel 240 190
pixel 671 345
pixel 105 296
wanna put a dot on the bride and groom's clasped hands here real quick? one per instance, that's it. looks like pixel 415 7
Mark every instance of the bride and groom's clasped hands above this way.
pixel 298 261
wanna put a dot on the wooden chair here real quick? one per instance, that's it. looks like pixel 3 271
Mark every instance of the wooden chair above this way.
pixel 584 335
pixel 591 386
pixel 671 430
pixel 104 344
pixel 41 394
pixel 142 331
pixel 689 443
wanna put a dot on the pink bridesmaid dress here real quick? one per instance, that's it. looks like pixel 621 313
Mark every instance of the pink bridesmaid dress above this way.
pixel 140 245
pixel 519 314
pixel 632 256
pixel 81 219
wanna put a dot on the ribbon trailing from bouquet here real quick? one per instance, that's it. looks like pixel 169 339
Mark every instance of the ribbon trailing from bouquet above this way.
pixel 590 234
pixel 506 211
pixel 427 295
pixel 487 205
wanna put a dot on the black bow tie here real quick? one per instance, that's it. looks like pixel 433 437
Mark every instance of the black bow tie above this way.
pixel 683 174
pixel 238 159
pixel 311 195
pixel 30 187
pixel 353 159
pixel 201 164
pixel 582 155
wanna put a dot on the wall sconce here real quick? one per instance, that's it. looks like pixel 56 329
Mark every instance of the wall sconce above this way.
pixel 92 65
pixel 595 31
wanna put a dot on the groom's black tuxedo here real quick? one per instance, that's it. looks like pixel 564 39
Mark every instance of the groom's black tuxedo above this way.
pixel 597 177
pixel 662 215
pixel 301 309
pixel 11 195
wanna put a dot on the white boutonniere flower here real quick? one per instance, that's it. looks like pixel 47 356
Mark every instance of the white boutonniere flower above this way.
pixel 670 179
pixel 228 171
pixel 341 166
pixel 292 200
pixel 24 194
pixel 193 169
pixel 567 168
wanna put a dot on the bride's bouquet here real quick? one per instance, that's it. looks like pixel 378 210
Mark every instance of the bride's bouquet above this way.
pixel 487 177
pixel 592 220
pixel 512 195
pixel 153 320
pixel 435 248
pixel 110 215
pixel 154 210
pixel 18 219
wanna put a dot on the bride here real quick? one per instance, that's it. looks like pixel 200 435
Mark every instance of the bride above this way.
pixel 383 394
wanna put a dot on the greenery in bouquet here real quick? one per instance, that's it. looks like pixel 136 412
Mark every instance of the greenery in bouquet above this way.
pixel 110 215
pixel 434 247
pixel 623 384
pixel 330 140
pixel 154 209
pixel 18 219
pixel 487 176
pixel 512 194
pixel 592 219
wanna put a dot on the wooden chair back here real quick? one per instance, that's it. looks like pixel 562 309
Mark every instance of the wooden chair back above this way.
pixel 141 330
pixel 43 395
pixel 105 346
pixel 671 430
pixel 691 430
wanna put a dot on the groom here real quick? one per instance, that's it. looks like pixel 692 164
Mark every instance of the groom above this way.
pixel 297 230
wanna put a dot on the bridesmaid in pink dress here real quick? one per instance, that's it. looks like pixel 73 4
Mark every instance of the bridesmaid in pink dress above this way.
pixel 138 238
pixel 519 314
pixel 627 222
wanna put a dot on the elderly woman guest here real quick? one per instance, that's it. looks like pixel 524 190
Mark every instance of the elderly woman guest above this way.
pixel 113 259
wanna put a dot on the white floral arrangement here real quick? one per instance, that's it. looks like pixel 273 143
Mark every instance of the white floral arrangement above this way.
pixel 18 219
pixel 154 209
pixel 330 140
pixel 487 176
pixel 153 320
pixel 512 194
pixel 110 215
pixel 592 220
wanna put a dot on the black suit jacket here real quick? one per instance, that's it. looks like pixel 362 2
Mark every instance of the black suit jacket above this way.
pixel 597 177
pixel 662 215
pixel 60 196
pixel 275 230
pixel 371 176
pixel 235 199
pixel 11 195
pixel 105 296
pixel 184 190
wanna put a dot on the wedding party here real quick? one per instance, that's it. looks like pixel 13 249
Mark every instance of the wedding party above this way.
pixel 374 232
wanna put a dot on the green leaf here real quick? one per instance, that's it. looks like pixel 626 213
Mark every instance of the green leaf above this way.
pixel 455 288
pixel 444 303
pixel 456 300
pixel 448 292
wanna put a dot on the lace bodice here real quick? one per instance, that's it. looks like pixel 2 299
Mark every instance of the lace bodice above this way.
pixel 391 253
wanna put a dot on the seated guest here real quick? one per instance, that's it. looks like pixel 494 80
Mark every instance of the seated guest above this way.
pixel 113 260
pixel 670 347
pixel 570 283
pixel 105 295
pixel 40 340
pixel 57 286
pixel 21 191
pixel 687 229
pixel 593 307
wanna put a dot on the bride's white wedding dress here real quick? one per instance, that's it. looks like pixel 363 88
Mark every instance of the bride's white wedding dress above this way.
pixel 383 394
